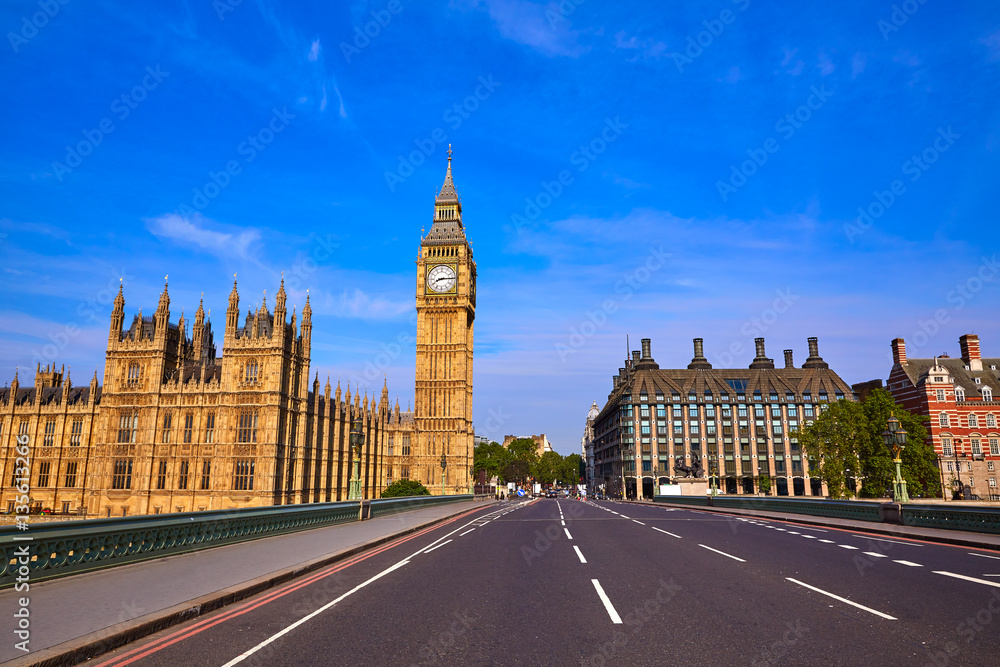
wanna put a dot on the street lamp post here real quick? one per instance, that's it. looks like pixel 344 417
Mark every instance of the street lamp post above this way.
pixel 959 492
pixel 444 464
pixel 895 439
pixel 354 491
pixel 713 467
pixel 656 479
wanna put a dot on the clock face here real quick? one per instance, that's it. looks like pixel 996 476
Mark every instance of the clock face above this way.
pixel 441 278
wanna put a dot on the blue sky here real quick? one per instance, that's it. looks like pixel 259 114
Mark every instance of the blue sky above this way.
pixel 687 170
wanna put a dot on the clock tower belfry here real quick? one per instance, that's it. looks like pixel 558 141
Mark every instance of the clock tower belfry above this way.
pixel 446 309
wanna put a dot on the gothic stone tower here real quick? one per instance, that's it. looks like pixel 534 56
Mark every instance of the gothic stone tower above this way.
pixel 446 309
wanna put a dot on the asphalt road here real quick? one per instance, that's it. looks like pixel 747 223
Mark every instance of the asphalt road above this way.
pixel 562 582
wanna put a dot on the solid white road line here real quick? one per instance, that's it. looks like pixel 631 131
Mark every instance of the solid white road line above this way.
pixel 908 563
pixel 845 600
pixel 722 552
pixel 243 656
pixel 874 554
pixel 665 532
pixel 436 547
pixel 984 556
pixel 615 618
pixel 580 554
pixel 972 579
pixel 466 532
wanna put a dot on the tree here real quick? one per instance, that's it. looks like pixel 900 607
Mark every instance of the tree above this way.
pixel 573 470
pixel 764 484
pixel 402 488
pixel 491 457
pixel 848 436
pixel 548 468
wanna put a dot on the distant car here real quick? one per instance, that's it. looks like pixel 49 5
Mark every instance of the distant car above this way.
pixel 552 494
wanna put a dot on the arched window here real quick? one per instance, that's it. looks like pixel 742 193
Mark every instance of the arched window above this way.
pixel 128 424
pixel 251 371
pixel 134 372
pixel 246 428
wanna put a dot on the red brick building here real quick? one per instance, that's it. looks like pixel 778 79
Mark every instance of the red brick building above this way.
pixel 962 398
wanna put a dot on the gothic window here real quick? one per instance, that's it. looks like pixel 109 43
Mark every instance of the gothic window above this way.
pixel 206 475
pixel 243 476
pixel 246 430
pixel 22 428
pixel 76 433
pixel 404 473
pixel 43 473
pixel 161 475
pixel 128 424
pixel 167 421
pixel 251 371
pixel 71 474
pixel 134 373
pixel 406 452
pixel 209 428
pixel 50 433
pixel 390 445
pixel 188 427
pixel 122 475
pixel 182 477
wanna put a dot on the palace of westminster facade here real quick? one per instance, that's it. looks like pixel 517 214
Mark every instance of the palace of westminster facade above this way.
pixel 176 428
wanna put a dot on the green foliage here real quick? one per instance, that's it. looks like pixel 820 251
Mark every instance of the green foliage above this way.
pixel 405 487
pixel 519 461
pixel 848 436
pixel 764 484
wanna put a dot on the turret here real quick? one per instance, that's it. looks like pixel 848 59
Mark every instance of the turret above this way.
pixel 66 386
pixel 93 389
pixel 161 318
pixel 280 311
pixel 198 334
pixel 307 327
pixel 117 318
pixel 233 312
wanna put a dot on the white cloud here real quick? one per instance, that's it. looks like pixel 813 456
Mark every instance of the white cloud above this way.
pixel 195 232
pixel 539 26
pixel 648 49
pixel 314 52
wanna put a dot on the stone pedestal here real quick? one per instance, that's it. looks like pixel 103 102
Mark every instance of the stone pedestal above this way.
pixel 693 486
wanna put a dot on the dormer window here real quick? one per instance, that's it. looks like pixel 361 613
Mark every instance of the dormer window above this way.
pixel 979 380
pixel 987 394
pixel 959 394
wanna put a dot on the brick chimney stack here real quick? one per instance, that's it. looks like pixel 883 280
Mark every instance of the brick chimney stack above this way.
pixel 970 352
pixel 788 359
pixel 898 351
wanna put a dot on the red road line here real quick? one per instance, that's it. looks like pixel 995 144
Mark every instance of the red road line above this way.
pixel 207 623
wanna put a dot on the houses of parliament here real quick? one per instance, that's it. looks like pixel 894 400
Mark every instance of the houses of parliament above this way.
pixel 176 427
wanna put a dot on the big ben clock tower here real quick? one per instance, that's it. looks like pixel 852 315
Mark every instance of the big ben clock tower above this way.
pixel 446 309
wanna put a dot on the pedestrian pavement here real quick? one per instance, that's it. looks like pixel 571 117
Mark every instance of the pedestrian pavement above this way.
pixel 941 535
pixel 75 617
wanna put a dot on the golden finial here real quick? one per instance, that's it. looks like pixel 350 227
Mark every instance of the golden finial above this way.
pixel 449 152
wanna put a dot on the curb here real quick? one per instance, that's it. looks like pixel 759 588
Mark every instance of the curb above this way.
pixel 809 520
pixel 98 643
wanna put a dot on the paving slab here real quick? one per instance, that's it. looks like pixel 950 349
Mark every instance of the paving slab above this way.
pixel 93 612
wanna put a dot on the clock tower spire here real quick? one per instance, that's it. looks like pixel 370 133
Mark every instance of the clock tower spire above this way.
pixel 446 310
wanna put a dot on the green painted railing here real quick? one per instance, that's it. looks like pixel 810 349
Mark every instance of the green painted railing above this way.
pixel 949 517
pixel 979 519
pixel 68 547
pixel 837 509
